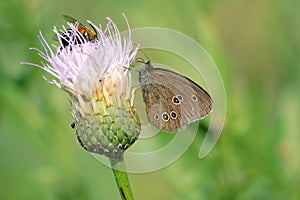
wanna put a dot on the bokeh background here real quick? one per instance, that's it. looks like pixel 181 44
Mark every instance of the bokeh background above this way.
pixel 256 46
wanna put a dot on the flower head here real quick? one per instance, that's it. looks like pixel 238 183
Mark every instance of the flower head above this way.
pixel 94 73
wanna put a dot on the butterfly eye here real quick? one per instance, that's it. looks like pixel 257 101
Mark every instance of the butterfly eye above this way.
pixel 194 98
pixel 156 116
pixel 165 116
pixel 175 100
pixel 173 114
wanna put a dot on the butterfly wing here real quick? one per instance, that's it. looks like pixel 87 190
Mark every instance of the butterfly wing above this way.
pixel 172 100
pixel 158 107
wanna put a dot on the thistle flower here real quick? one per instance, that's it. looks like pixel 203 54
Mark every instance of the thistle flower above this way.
pixel 94 73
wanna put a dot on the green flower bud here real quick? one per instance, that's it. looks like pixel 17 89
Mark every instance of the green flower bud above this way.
pixel 108 132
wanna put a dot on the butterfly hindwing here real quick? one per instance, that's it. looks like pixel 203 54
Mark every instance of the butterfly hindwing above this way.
pixel 161 113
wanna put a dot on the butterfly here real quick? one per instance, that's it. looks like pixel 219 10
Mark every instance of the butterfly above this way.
pixel 172 100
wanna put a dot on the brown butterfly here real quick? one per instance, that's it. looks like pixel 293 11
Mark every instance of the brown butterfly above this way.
pixel 172 100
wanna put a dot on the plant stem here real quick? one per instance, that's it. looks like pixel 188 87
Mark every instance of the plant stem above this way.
pixel 121 177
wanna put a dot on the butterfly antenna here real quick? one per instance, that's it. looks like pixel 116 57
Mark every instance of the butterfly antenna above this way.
pixel 143 52
pixel 140 59
pixel 145 55
pixel 130 68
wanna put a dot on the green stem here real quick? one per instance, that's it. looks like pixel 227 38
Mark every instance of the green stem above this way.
pixel 121 177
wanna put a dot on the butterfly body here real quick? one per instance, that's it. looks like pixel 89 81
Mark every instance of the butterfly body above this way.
pixel 172 100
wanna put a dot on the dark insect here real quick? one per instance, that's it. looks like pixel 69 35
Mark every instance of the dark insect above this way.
pixel 86 34
pixel 73 125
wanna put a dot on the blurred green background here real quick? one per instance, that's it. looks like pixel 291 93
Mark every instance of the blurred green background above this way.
pixel 255 44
